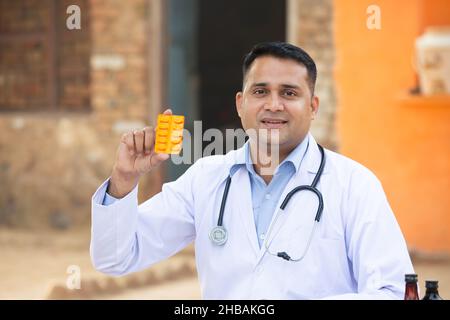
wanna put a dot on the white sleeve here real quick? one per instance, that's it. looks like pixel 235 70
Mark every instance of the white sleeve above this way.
pixel 126 237
pixel 376 248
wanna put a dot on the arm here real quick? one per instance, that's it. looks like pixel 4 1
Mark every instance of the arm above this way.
pixel 375 244
pixel 126 237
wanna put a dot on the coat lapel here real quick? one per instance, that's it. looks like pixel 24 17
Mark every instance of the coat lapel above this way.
pixel 296 221
pixel 243 196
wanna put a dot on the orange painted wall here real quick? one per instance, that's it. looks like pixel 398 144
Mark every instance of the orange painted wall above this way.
pixel 404 140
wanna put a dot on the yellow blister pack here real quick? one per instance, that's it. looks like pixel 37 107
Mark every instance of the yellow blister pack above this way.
pixel 169 134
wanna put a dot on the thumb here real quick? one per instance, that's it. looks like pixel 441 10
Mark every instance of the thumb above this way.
pixel 162 156
pixel 157 158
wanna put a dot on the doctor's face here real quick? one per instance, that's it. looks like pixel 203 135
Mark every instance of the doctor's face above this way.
pixel 276 97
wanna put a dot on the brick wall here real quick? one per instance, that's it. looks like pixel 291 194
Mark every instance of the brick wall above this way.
pixel 51 161
pixel 73 49
pixel 310 25
pixel 43 65
pixel 23 67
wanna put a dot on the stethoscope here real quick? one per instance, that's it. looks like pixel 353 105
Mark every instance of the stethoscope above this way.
pixel 219 234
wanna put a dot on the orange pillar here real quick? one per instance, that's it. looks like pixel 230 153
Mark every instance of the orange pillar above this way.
pixel 404 140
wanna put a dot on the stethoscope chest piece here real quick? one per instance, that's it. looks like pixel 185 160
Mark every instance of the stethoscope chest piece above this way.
pixel 218 235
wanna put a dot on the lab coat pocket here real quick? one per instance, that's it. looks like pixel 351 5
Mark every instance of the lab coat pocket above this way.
pixel 334 266
pixel 330 227
pixel 319 273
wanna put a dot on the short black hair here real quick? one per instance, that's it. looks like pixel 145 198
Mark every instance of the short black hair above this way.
pixel 282 50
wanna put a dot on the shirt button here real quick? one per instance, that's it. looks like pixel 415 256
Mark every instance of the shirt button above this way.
pixel 262 236
pixel 267 196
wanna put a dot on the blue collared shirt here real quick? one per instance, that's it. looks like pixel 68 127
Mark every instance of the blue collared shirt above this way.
pixel 265 197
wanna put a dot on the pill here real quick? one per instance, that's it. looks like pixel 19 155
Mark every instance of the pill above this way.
pixel 169 134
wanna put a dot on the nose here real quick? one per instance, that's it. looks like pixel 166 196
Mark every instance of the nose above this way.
pixel 274 103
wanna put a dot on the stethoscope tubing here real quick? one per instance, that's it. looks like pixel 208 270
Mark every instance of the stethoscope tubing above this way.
pixel 312 188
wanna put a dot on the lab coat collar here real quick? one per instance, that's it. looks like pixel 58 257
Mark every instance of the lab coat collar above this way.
pixel 304 175
pixel 239 157
pixel 312 156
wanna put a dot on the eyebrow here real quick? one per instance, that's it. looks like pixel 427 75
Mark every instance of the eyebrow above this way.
pixel 284 85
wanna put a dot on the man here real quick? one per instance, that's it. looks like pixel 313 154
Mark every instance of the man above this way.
pixel 355 250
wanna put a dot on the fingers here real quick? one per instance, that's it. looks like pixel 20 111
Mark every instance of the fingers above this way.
pixel 139 141
pixel 142 141
pixel 128 140
pixel 149 139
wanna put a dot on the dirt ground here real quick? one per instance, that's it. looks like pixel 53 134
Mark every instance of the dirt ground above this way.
pixel 35 266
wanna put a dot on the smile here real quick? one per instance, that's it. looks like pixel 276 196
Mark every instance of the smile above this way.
pixel 273 123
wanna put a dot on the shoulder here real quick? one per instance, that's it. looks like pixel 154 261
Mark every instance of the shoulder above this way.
pixel 350 172
pixel 214 167
pixel 361 192
pixel 222 162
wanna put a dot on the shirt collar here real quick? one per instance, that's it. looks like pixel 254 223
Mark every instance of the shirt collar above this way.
pixel 294 158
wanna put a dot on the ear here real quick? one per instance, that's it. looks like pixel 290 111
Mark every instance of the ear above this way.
pixel 314 107
pixel 239 103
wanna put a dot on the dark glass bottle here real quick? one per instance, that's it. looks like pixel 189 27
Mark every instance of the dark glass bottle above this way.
pixel 411 292
pixel 432 290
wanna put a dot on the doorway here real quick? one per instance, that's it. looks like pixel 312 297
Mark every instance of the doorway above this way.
pixel 207 41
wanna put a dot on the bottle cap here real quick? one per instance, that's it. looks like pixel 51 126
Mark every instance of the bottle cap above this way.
pixel 431 284
pixel 411 277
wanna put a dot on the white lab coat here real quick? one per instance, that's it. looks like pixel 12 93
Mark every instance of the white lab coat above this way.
pixel 357 250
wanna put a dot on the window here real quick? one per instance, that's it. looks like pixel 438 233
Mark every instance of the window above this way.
pixel 43 65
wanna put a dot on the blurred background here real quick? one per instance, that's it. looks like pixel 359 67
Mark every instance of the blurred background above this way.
pixel 66 95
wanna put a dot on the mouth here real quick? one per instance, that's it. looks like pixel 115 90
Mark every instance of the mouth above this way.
pixel 273 123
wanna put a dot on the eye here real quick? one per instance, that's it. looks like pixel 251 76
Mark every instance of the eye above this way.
pixel 290 93
pixel 259 91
